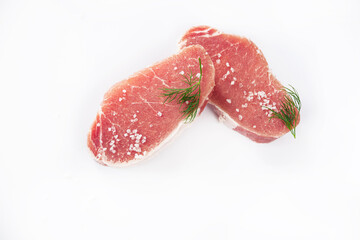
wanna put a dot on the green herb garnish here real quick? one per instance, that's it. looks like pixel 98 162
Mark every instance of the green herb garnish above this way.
pixel 189 96
pixel 289 109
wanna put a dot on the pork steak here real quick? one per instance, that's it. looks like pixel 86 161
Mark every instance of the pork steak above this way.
pixel 245 88
pixel 133 122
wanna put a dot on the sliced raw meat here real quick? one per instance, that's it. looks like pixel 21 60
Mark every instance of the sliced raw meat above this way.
pixel 133 121
pixel 245 88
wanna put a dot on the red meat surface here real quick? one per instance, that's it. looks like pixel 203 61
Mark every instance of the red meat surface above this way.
pixel 244 86
pixel 133 122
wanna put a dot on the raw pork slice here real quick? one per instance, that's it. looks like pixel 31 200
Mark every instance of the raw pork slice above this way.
pixel 133 121
pixel 245 88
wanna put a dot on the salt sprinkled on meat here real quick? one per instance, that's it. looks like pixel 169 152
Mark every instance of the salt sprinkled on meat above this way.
pixel 127 136
pixel 250 96
pixel 135 119
pixel 252 70
pixel 261 94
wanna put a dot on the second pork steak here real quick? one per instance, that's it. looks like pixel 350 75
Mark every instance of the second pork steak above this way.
pixel 245 89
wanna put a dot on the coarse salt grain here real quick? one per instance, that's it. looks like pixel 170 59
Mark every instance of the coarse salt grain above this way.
pixel 226 74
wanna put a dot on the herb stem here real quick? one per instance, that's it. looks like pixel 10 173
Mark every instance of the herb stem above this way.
pixel 189 96
pixel 289 112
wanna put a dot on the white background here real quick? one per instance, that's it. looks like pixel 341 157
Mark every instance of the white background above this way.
pixel 57 59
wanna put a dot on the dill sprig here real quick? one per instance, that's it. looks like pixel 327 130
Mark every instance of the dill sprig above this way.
pixel 189 96
pixel 289 109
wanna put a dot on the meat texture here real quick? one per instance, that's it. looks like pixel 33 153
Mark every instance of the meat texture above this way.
pixel 133 122
pixel 245 88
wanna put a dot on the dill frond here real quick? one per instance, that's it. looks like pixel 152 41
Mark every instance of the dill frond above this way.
pixel 289 109
pixel 189 96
